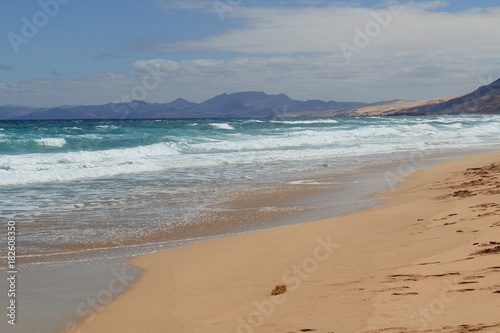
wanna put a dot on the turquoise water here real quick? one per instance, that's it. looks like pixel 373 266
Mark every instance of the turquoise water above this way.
pixel 81 182
pixel 58 151
pixel 72 186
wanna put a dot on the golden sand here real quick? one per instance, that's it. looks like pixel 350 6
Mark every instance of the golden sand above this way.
pixel 427 260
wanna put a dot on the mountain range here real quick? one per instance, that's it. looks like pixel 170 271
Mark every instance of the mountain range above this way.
pixel 484 100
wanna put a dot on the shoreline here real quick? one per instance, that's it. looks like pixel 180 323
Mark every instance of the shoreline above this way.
pixel 72 281
pixel 240 271
pixel 293 201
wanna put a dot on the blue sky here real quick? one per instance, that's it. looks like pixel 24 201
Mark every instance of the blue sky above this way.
pixel 93 52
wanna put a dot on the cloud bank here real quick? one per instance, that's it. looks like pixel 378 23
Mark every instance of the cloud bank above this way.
pixel 342 52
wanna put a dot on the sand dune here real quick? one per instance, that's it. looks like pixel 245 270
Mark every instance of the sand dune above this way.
pixel 391 107
pixel 378 109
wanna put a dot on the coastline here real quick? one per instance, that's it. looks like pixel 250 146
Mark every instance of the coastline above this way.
pixel 76 285
pixel 369 271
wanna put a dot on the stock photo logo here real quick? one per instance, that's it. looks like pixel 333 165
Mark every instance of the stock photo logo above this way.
pixel 31 26
pixel 364 36
pixel 291 280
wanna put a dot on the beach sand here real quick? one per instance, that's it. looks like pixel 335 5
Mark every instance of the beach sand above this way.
pixel 426 260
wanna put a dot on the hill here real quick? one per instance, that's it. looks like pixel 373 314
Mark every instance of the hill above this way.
pixel 254 104
pixel 237 105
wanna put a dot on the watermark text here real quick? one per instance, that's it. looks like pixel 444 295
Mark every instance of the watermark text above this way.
pixel 11 272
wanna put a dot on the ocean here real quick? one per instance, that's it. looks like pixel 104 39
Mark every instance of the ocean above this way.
pixel 79 184
pixel 74 187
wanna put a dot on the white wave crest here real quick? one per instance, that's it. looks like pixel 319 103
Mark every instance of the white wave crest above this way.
pixel 224 126
pixel 39 168
pixel 306 122
pixel 51 142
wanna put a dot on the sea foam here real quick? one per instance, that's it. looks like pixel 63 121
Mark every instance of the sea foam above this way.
pixel 51 142
pixel 224 126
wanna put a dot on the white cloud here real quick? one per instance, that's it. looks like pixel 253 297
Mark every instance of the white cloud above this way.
pixel 311 30
pixel 429 52
pixel 299 76
pixel 418 52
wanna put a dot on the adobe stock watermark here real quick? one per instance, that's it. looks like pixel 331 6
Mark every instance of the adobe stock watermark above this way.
pixel 372 29
pixel 408 165
pixel 227 6
pixel 292 278
pixel 426 315
pixel 31 26
pixel 126 103
pixel 88 308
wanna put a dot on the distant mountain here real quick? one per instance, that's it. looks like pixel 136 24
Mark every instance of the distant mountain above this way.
pixel 181 103
pixel 259 104
pixel 16 111
pixel 485 100
pixel 237 105
pixel 251 104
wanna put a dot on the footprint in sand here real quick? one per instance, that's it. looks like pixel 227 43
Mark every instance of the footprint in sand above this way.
pixel 429 263
pixel 473 277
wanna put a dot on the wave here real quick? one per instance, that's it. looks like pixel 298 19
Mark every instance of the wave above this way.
pixel 51 142
pixel 224 126
pixel 393 134
pixel 206 149
pixel 106 127
pixel 253 121
pixel 56 167
pixel 305 122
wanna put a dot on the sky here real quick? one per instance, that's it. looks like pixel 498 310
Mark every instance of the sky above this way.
pixel 74 52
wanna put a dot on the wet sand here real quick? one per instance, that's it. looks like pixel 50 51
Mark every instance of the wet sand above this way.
pixel 427 260
pixel 61 285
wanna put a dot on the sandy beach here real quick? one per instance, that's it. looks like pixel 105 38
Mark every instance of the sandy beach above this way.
pixel 426 260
